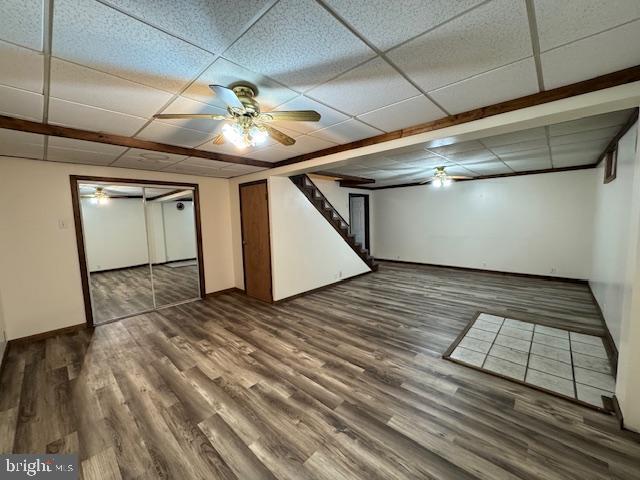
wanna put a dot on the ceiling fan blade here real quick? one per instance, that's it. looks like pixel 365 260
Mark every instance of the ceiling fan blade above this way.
pixel 458 177
pixel 278 136
pixel 207 116
pixel 297 116
pixel 227 96
pixel 218 139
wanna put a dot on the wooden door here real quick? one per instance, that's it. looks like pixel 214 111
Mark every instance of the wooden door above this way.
pixel 256 244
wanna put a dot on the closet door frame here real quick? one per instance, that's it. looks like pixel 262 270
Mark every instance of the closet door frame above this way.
pixel 75 180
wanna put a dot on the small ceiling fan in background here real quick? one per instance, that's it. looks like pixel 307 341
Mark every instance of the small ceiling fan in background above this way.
pixel 440 178
pixel 246 125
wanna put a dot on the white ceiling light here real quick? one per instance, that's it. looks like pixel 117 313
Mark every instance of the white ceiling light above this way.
pixel 440 178
pixel 100 197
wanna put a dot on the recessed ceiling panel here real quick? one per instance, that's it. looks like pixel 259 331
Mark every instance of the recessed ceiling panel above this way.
pixel 368 87
pixel 387 24
pixel 488 168
pixel 299 44
pixel 529 164
pixel 211 25
pixel 406 113
pixel 21 68
pixel 21 144
pixel 80 116
pixel 515 137
pixel 21 104
pixel 21 22
pixel 328 115
pixel 147 159
pixel 583 153
pixel 561 22
pixel 78 151
pixel 199 166
pixel 346 132
pixel 468 45
pixel 505 83
pixel 590 123
pixel 226 73
pixel 84 85
pixel 585 137
pixel 165 133
pixel 594 56
pixel 92 34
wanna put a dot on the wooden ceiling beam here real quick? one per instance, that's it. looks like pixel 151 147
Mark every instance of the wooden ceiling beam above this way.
pixel 17 124
pixel 609 80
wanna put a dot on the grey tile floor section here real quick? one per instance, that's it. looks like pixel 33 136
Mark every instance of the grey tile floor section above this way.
pixel 569 363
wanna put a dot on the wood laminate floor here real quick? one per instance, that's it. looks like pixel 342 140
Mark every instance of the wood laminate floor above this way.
pixel 346 383
pixel 118 293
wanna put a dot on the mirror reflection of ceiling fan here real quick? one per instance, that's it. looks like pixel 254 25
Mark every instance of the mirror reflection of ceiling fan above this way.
pixel 245 125
pixel 441 179
pixel 98 197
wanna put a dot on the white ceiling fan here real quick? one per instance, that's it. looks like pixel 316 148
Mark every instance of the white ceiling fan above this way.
pixel 245 125
pixel 440 178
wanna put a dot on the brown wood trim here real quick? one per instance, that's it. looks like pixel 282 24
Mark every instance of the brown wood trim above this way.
pixel 609 344
pixel 18 124
pixel 488 177
pixel 610 166
pixel 609 80
pixel 77 217
pixel 324 287
pixel 617 411
pixel 244 269
pixel 449 351
pixel 484 270
pixel 51 333
pixel 224 291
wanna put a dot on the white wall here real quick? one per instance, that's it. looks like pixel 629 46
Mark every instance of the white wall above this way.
pixel 115 235
pixel 40 276
pixel 613 228
pixel 306 251
pixel 179 231
pixel 536 224
pixel 339 197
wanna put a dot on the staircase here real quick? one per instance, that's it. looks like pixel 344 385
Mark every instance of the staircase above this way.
pixel 318 200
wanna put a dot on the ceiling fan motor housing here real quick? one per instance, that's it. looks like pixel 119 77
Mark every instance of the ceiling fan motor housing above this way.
pixel 246 94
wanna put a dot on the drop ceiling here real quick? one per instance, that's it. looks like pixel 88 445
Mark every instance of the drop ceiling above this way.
pixel 367 66
pixel 569 144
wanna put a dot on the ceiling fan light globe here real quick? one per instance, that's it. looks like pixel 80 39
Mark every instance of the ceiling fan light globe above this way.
pixel 233 134
pixel 446 182
pixel 437 182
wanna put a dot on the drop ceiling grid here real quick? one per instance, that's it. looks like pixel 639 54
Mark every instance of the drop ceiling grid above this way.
pixel 539 9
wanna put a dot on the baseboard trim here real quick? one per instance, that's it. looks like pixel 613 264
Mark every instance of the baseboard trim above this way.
pixel 483 270
pixel 51 333
pixel 217 293
pixel 617 411
pixel 609 344
pixel 324 287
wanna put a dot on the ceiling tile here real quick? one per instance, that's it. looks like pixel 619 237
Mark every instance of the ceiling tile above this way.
pixel 407 113
pixel 274 153
pixel 210 25
pixel 21 22
pixel 186 105
pixel 92 34
pixel 21 68
pixel 84 117
pixel 582 153
pixel 488 168
pixel 199 166
pixel 78 151
pixel 346 132
pixel 505 83
pixel 237 169
pixel 329 115
pixel 515 137
pixel 594 56
pixel 468 45
pixel 569 20
pixel 457 147
pixel 223 72
pixel 164 133
pixel 299 44
pixel 21 104
pixel 474 156
pixel 306 144
pixel 458 170
pixel 386 25
pixel 539 143
pixel 147 159
pixel 21 144
pixel 529 164
pixel 591 123
pixel 606 134
pixel 368 87
pixel 84 85
pixel 537 155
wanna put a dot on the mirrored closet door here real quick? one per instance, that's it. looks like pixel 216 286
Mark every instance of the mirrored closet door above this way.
pixel 140 246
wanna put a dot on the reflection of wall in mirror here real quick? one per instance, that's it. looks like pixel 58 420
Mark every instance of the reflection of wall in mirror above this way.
pixel 115 234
